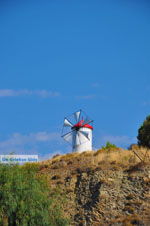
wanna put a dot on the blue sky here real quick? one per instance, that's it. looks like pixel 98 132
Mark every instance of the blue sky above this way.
pixel 60 56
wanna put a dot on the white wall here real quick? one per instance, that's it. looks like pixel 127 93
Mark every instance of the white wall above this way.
pixel 79 142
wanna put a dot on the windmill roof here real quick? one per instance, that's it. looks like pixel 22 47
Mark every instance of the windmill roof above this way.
pixel 82 125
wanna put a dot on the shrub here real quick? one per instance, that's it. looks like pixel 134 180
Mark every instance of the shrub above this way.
pixel 109 145
pixel 25 198
pixel 144 133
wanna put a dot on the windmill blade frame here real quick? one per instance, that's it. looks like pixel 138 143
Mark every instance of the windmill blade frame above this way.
pixel 67 135
pixel 87 122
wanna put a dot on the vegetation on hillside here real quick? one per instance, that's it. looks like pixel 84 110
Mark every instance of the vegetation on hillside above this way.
pixel 109 146
pixel 26 198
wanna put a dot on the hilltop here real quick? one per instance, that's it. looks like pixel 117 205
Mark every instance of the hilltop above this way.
pixel 104 187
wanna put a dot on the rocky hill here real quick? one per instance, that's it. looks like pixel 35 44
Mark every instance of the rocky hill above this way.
pixel 104 187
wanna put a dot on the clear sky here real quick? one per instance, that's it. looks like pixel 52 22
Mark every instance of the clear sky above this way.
pixel 60 56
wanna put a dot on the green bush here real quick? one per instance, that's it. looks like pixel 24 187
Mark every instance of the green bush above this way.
pixel 144 133
pixel 26 199
pixel 109 145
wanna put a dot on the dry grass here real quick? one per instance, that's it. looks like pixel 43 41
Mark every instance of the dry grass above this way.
pixel 127 220
pixel 104 159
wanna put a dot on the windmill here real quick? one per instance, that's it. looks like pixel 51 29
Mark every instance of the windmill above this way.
pixel 77 130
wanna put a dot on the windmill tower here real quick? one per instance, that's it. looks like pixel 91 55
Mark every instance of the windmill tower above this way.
pixel 77 130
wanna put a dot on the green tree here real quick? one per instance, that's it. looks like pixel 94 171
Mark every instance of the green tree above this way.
pixel 25 198
pixel 144 133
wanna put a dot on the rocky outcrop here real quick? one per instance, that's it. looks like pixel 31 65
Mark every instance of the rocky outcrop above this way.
pixel 112 198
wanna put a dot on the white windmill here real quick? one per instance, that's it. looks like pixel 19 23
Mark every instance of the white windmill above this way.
pixel 77 130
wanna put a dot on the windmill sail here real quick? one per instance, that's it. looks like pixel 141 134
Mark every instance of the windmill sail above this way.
pixel 68 137
pixel 85 134
pixel 78 142
pixel 67 123
pixel 77 115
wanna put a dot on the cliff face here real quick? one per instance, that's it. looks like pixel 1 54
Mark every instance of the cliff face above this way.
pixel 108 197
pixel 100 190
